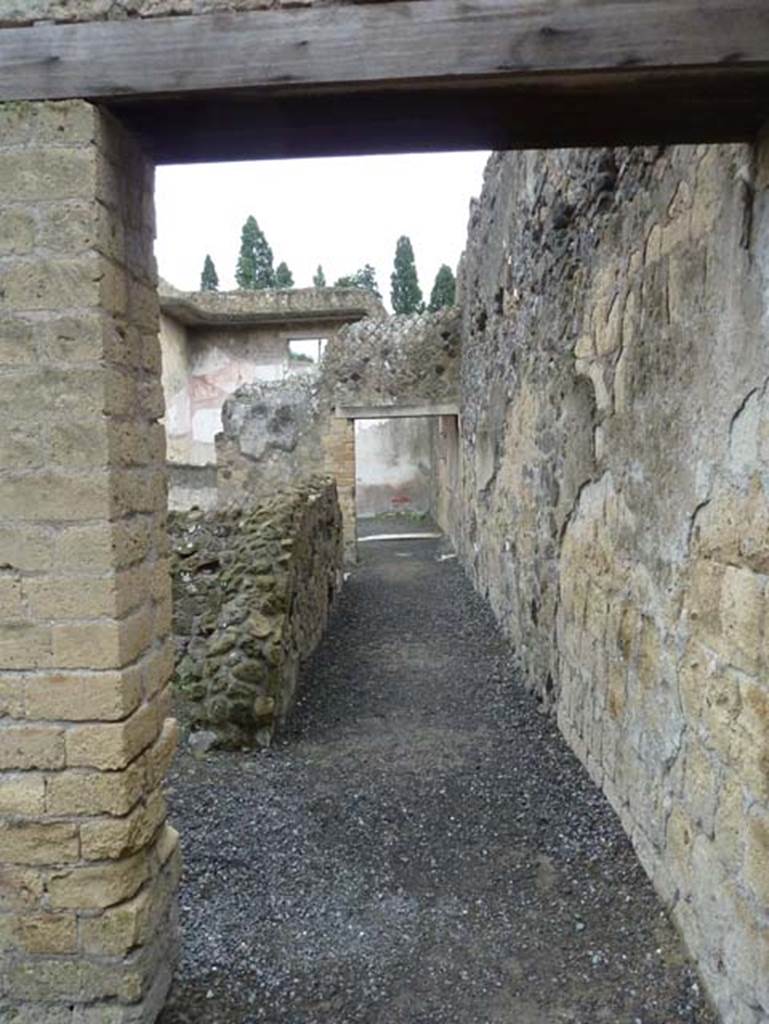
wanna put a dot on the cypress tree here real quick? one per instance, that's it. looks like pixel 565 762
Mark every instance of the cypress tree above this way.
pixel 320 278
pixel 254 270
pixel 444 289
pixel 405 293
pixel 283 276
pixel 209 279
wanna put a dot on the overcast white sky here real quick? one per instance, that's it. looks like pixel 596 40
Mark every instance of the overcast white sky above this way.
pixel 341 212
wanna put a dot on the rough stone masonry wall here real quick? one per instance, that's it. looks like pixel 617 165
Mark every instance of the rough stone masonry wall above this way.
pixel 253 589
pixel 403 360
pixel 26 12
pixel 615 475
pixel 88 866
pixel 271 437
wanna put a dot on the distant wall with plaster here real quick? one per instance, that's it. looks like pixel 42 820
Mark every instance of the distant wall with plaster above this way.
pixel 393 466
pixel 213 343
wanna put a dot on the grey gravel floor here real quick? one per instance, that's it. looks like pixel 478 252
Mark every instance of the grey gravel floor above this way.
pixel 420 847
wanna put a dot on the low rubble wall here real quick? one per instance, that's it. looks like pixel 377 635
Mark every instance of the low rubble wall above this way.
pixel 253 588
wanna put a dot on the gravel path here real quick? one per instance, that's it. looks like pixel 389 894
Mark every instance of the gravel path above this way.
pixel 420 847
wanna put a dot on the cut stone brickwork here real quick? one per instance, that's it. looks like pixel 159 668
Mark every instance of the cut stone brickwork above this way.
pixel 615 483
pixel 88 866
pixel 253 589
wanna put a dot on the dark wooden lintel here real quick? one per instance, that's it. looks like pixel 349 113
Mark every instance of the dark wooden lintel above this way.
pixel 411 75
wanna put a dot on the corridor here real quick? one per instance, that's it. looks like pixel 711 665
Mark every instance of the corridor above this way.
pixel 419 847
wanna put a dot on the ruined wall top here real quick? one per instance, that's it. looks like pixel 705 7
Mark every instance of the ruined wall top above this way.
pixel 397 361
pixel 26 12
pixel 269 305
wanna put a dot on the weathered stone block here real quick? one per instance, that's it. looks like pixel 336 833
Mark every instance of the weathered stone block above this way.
pixel 111 838
pixel 26 547
pixel 91 792
pixel 701 786
pixel 26 842
pixel 719 711
pixel 742 609
pixel 22 794
pixel 46 980
pixel 102 885
pixel 757 857
pixel 47 933
pixel 50 284
pixel 68 122
pixel 69 597
pixel 31 746
pixel 54 495
pixel 112 746
pixel 158 668
pixel 750 741
pixel 43 174
pixel 704 600
pixel 158 758
pixel 11 696
pixel 74 339
pixel 11 599
pixel 25 645
pixel 21 888
pixel 134 922
pixel 79 696
pixel 102 644
pixel 17 231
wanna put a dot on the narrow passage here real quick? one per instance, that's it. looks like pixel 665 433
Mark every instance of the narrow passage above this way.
pixel 420 847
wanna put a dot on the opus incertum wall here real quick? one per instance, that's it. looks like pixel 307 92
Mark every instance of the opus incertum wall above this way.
pixel 88 864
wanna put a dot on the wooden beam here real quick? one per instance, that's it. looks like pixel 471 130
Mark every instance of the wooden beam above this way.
pixel 581 111
pixel 443 73
pixel 399 43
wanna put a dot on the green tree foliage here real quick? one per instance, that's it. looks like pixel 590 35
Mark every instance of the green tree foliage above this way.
pixel 444 289
pixel 320 278
pixel 405 293
pixel 254 270
pixel 283 276
pixel 209 279
pixel 363 278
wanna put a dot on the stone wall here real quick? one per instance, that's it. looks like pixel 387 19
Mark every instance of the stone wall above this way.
pixel 88 865
pixel 271 437
pixel 615 469
pixel 253 588
pixel 402 360
pixel 26 12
